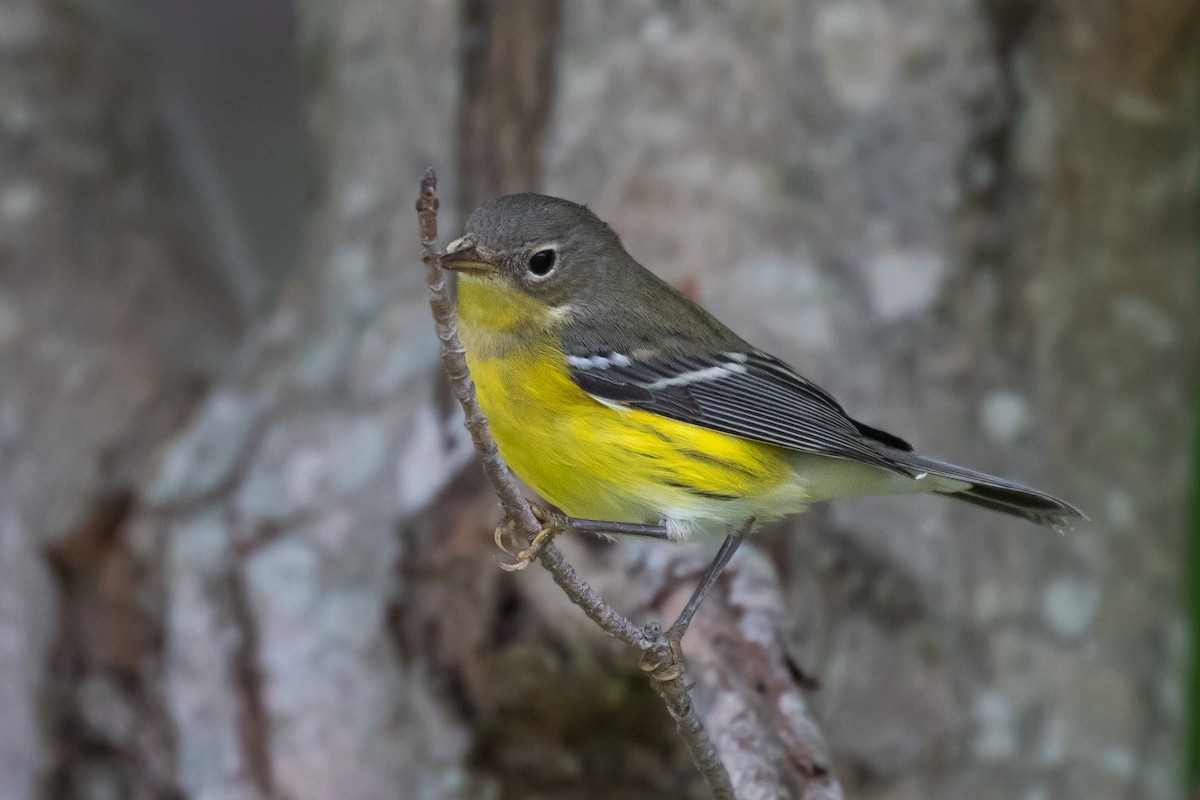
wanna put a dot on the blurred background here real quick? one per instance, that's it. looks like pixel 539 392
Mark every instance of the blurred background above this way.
pixel 244 548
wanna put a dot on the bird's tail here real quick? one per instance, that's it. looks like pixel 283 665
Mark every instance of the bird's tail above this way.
pixel 995 493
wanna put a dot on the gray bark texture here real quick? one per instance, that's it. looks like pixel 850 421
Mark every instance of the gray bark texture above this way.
pixel 247 554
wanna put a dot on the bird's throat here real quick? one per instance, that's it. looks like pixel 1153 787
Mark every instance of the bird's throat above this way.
pixel 496 318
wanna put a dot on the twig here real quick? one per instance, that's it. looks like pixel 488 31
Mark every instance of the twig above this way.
pixel 664 666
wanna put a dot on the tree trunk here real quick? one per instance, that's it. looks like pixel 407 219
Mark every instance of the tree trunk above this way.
pixel 110 329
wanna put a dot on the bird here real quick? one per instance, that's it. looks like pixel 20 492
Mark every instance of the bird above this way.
pixel 632 410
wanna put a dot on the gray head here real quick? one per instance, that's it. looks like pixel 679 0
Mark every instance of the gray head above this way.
pixel 546 247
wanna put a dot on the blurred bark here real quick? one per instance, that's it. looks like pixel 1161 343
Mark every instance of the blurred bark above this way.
pixel 974 223
pixel 508 67
pixel 109 332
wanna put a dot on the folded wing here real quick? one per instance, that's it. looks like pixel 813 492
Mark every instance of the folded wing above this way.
pixel 748 394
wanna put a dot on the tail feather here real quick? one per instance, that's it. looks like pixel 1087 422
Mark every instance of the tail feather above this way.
pixel 997 494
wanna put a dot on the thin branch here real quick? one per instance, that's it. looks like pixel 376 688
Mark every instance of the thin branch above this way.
pixel 658 659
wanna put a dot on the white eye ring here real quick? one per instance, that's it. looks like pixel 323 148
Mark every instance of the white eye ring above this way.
pixel 542 262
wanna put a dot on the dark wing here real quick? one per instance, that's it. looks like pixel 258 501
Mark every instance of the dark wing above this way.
pixel 747 394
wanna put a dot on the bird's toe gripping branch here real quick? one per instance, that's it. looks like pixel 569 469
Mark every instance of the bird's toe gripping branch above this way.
pixel 552 525
pixel 663 661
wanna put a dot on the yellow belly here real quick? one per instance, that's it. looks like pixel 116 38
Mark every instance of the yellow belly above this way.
pixel 598 462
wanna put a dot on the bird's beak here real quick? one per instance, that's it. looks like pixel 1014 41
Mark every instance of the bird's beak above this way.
pixel 461 256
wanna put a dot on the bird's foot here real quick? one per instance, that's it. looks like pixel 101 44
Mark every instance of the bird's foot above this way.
pixel 552 524
pixel 663 661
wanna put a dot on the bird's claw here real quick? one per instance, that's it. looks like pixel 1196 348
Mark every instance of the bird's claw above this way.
pixel 664 661
pixel 552 525
pixel 504 535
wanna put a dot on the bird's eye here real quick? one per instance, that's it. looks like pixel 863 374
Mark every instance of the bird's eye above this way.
pixel 541 262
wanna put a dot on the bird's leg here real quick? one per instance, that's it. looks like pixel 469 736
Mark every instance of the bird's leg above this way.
pixel 665 662
pixel 603 528
pixel 554 524
pixel 732 542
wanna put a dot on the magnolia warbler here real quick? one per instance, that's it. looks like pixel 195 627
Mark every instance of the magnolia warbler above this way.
pixel 620 400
